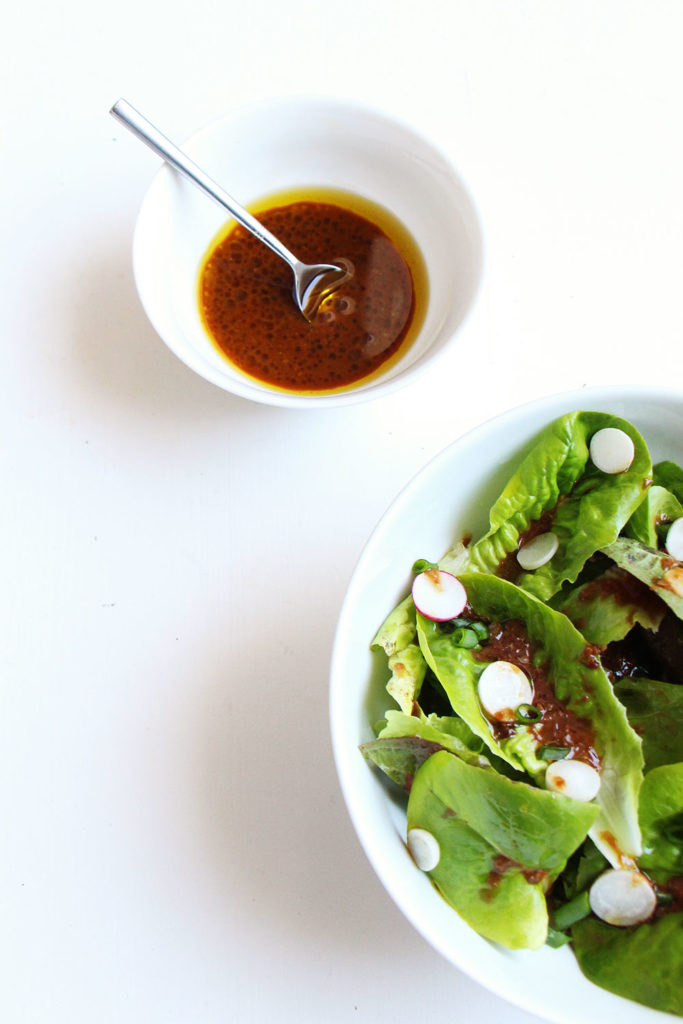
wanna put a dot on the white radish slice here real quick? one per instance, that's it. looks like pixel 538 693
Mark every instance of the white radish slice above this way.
pixel 538 551
pixel 574 779
pixel 622 897
pixel 674 540
pixel 612 450
pixel 502 687
pixel 423 848
pixel 439 595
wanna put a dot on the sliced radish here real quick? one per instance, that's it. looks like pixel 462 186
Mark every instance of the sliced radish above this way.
pixel 438 595
pixel 423 848
pixel 612 450
pixel 674 540
pixel 502 688
pixel 574 779
pixel 538 551
pixel 622 897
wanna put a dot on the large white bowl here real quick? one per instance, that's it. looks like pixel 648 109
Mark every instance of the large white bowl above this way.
pixel 447 499
pixel 289 144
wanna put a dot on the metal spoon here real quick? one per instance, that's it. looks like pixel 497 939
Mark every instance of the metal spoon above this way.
pixel 312 282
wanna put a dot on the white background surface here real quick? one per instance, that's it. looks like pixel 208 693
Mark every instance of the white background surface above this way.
pixel 175 847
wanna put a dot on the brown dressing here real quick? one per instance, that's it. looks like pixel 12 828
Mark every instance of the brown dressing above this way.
pixel 624 589
pixel 673 888
pixel 501 866
pixel 246 304
pixel 559 726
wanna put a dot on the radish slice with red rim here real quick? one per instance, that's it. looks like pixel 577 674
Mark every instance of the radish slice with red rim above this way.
pixel 438 595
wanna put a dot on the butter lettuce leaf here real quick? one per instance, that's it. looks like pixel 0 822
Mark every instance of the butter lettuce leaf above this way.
pixel 661 573
pixel 650 521
pixel 398 629
pixel 608 607
pixel 406 741
pixel 450 732
pixel 578 680
pixel 668 474
pixel 501 843
pixel 585 508
pixel 655 710
pixel 399 757
pixel 397 638
pixel 661 822
pixel 643 962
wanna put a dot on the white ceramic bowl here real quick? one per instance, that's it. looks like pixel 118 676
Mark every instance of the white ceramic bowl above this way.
pixel 289 144
pixel 449 498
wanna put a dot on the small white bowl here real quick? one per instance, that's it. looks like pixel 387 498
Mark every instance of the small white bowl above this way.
pixel 289 144
pixel 448 499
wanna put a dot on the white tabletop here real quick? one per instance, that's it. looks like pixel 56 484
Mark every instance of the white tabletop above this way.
pixel 175 847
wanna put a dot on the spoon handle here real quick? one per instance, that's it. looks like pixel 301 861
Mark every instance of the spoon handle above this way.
pixel 163 147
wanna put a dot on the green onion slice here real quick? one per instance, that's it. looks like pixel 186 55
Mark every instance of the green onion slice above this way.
pixel 422 565
pixel 551 753
pixel 466 638
pixel 528 713
pixel 481 629
pixel 569 913
pixel 556 938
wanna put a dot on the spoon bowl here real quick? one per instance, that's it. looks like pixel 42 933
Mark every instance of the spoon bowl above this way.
pixel 312 281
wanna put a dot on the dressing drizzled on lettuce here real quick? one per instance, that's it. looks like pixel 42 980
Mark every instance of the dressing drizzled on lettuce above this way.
pixel 597 630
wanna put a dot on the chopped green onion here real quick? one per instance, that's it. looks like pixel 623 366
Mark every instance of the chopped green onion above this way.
pixel 466 638
pixel 528 713
pixel 551 753
pixel 481 629
pixel 571 912
pixel 450 625
pixel 556 939
pixel 422 565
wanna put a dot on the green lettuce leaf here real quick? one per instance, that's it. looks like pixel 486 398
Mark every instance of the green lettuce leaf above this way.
pixel 399 757
pixel 655 710
pixel 668 474
pixel 398 629
pixel 606 608
pixel 658 571
pixel 396 637
pixel 578 680
pixel 661 821
pixel 586 508
pixel 450 732
pixel 502 842
pixel 406 741
pixel 651 519
pixel 643 963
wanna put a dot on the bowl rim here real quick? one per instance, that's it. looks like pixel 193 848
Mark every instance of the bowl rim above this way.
pixel 368 832
pixel 253 390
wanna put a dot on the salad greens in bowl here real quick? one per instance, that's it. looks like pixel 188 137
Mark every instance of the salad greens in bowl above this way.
pixel 507 705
